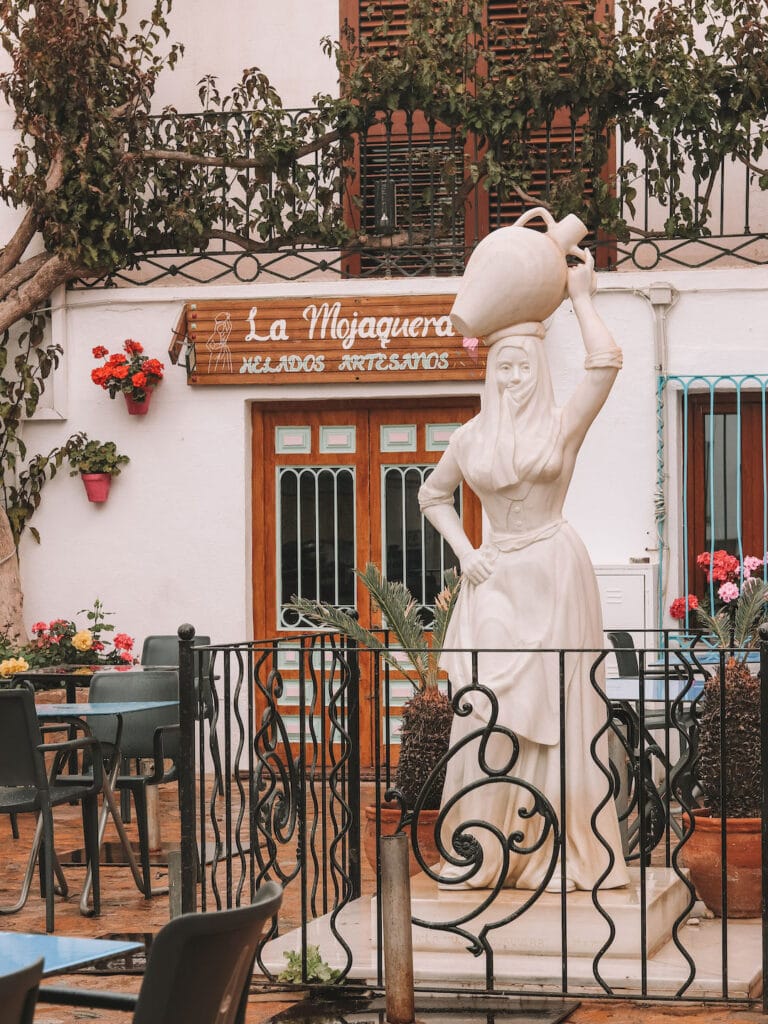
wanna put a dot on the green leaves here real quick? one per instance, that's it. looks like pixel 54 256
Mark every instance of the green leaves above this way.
pixel 401 615
pixel 22 478
pixel 95 457
pixel 736 624
pixel 317 969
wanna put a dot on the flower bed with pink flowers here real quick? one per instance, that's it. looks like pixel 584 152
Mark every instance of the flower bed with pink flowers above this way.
pixel 735 602
pixel 65 642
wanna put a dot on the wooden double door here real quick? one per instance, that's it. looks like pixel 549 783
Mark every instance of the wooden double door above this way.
pixel 334 487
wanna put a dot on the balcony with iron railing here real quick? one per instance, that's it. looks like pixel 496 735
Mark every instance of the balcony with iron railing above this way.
pixel 410 197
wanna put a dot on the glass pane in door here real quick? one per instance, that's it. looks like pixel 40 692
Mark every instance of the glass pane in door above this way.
pixel 722 469
pixel 316 537
pixel 414 552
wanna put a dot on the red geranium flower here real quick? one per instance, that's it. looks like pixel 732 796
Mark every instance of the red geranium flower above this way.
pixel 681 605
pixel 153 368
pixel 129 371
pixel 719 567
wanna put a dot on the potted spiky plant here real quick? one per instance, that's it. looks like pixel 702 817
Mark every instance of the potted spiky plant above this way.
pixel 427 715
pixel 729 772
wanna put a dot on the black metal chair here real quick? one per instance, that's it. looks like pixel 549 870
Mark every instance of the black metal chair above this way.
pixel 163 650
pixel 26 786
pixel 645 753
pixel 18 994
pixel 145 735
pixel 198 971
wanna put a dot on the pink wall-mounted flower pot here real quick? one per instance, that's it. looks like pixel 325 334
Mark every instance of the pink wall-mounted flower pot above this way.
pixel 96 485
pixel 136 408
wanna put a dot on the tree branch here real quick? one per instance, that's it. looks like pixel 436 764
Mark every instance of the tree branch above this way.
pixel 25 232
pixel 182 157
pixel 470 183
pixel 16 276
pixel 317 144
pixel 748 164
pixel 249 245
pixel 264 164
pixel 53 271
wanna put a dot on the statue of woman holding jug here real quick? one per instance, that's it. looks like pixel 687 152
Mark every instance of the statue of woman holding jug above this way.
pixel 530 590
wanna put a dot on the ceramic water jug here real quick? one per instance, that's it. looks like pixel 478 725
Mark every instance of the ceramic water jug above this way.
pixel 516 275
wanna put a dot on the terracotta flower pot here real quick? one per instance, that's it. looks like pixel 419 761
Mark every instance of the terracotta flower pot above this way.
pixel 137 408
pixel 96 485
pixel 702 855
pixel 390 816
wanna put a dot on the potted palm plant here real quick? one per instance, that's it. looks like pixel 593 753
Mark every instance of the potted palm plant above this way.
pixel 427 715
pixel 96 462
pixel 729 739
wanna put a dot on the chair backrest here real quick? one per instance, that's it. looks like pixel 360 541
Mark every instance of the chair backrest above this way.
pixel 163 649
pixel 18 994
pixel 624 649
pixel 138 727
pixel 200 965
pixel 21 763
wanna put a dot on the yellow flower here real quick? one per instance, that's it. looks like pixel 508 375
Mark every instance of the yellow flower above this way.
pixel 11 666
pixel 83 640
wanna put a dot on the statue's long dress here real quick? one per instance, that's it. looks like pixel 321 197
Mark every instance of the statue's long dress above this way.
pixel 542 594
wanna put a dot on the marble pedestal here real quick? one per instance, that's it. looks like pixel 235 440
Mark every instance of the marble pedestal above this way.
pixel 528 956
pixel 538 930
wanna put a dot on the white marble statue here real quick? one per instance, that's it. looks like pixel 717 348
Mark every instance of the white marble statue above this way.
pixel 531 587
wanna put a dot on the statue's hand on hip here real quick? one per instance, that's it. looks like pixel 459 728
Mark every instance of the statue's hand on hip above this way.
pixel 477 566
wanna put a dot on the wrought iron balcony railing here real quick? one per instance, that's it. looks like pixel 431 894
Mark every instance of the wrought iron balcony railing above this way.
pixel 402 199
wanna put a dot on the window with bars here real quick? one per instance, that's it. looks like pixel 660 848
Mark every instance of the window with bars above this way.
pixel 725 465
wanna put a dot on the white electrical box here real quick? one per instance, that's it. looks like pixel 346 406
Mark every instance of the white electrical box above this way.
pixel 628 599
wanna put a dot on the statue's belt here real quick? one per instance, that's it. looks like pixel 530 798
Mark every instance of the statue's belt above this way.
pixel 516 541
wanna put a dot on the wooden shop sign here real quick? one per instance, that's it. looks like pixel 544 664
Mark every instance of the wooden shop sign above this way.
pixel 327 340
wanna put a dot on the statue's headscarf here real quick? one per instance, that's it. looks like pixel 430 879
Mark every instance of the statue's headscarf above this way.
pixel 513 439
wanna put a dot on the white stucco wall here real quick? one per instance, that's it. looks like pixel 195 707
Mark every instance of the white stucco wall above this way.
pixel 283 39
pixel 172 544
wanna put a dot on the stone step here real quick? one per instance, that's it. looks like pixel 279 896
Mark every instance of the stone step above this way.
pixel 538 929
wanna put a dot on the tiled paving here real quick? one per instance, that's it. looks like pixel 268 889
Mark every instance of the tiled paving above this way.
pixel 125 911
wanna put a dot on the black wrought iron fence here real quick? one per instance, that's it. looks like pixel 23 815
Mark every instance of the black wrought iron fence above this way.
pixel 279 765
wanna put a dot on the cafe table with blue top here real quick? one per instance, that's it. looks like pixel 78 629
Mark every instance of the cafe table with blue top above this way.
pixel 59 953
pixel 79 714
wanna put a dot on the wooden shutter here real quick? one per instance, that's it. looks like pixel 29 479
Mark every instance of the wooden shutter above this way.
pixel 487 209
pixel 411 156
pixel 551 148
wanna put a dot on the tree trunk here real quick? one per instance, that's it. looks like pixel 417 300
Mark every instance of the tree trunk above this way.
pixel 11 597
